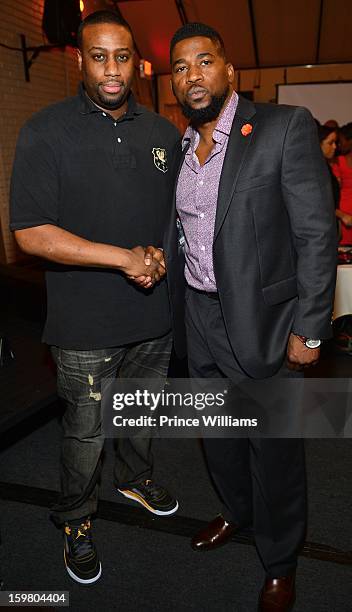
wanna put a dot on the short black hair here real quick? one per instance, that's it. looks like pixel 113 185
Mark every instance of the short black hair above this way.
pixel 190 30
pixel 346 130
pixel 102 17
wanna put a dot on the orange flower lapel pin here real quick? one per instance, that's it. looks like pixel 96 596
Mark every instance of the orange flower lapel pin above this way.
pixel 246 129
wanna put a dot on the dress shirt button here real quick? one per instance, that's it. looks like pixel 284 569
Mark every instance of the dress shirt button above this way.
pixel 119 139
pixel 202 248
pixel 206 279
pixel 104 114
pixel 201 215
pixel 115 124
pixel 200 183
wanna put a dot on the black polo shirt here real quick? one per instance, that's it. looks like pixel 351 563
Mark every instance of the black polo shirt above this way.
pixel 107 181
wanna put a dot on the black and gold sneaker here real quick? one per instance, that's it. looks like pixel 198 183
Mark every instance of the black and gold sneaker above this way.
pixel 153 497
pixel 80 555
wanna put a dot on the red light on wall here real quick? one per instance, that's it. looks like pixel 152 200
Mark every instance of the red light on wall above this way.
pixel 145 69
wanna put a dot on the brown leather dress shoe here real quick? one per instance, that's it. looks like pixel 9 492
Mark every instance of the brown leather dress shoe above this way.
pixel 216 534
pixel 278 594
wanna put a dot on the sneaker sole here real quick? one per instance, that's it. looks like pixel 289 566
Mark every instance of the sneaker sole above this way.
pixel 141 500
pixel 81 580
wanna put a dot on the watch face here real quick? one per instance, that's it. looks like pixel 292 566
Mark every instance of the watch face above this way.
pixel 311 343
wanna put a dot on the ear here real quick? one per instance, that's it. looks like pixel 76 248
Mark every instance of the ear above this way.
pixel 79 59
pixel 230 73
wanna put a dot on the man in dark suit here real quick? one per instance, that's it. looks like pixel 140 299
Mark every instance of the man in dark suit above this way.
pixel 254 202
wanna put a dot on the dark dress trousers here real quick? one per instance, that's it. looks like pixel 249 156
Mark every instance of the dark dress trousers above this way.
pixel 274 253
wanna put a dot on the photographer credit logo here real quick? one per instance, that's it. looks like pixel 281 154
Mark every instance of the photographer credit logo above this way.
pixel 168 399
pixel 173 408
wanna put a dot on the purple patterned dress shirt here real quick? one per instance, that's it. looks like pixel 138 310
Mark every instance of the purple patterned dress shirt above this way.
pixel 196 199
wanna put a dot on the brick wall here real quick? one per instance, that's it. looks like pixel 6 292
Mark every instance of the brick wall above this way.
pixel 53 76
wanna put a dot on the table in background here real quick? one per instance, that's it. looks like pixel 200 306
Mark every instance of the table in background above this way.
pixel 343 291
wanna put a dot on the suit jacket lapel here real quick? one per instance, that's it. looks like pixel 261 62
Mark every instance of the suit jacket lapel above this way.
pixel 235 154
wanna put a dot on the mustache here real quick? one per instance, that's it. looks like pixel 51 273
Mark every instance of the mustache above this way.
pixel 112 82
pixel 196 89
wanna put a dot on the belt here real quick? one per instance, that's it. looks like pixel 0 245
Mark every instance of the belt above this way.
pixel 210 294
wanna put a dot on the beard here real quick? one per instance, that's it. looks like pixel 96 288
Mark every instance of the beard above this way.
pixel 199 116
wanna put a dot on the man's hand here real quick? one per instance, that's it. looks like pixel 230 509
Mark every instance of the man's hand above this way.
pixel 299 356
pixel 136 267
pixel 151 255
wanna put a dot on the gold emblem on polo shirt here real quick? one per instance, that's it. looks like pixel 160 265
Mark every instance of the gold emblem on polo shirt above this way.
pixel 160 160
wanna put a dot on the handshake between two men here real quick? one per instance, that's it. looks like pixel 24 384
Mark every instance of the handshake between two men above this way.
pixel 144 266
pixel 147 266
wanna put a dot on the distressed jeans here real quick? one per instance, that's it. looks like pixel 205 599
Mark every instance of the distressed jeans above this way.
pixel 79 376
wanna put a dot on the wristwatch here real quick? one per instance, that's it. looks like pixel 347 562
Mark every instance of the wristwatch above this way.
pixel 311 343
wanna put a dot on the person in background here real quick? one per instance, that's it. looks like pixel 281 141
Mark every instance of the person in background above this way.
pixel 342 168
pixel 328 143
pixel 344 139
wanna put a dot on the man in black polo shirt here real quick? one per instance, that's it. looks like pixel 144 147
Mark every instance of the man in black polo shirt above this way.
pixel 90 182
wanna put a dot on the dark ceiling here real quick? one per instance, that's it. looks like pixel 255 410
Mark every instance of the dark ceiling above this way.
pixel 257 33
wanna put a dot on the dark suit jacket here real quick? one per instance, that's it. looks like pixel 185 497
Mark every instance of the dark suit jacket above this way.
pixel 274 244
